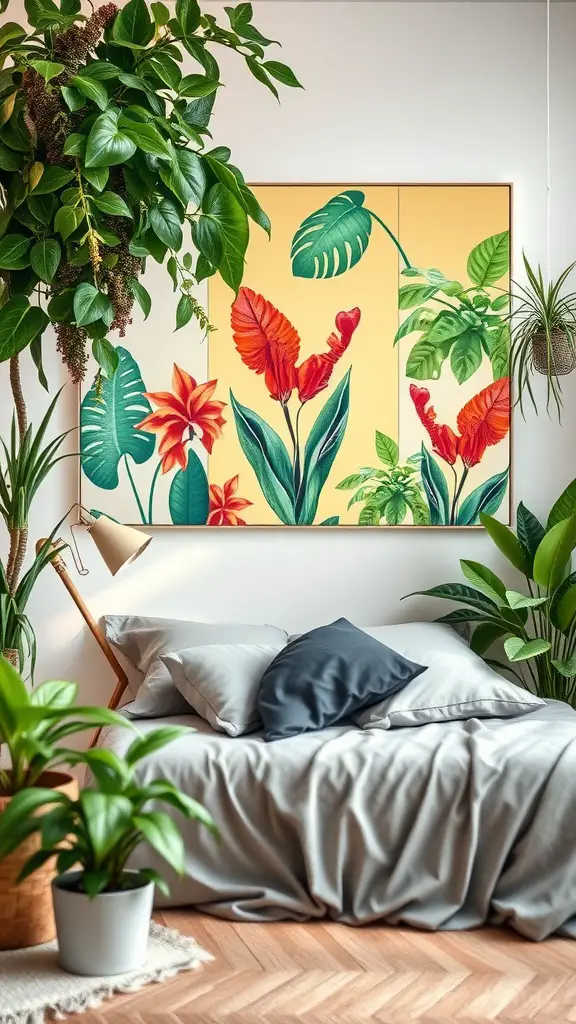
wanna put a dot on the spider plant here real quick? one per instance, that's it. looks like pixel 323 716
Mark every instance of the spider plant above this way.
pixel 543 334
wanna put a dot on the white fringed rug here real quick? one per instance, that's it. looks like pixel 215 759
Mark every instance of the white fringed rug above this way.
pixel 33 988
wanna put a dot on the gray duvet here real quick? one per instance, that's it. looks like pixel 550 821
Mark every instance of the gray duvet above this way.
pixel 437 826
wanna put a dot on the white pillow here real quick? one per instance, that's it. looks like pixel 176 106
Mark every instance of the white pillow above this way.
pixel 221 682
pixel 456 685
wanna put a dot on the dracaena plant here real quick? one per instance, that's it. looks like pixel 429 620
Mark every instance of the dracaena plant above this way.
pixel 537 626
pixel 34 725
pixel 104 165
pixel 98 832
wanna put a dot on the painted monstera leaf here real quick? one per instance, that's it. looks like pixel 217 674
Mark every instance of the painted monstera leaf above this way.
pixel 333 239
pixel 188 499
pixel 108 424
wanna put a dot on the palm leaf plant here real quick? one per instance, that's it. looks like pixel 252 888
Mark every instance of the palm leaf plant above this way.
pixel 543 334
pixel 537 626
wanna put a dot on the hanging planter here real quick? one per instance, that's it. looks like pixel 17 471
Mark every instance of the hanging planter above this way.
pixel 543 335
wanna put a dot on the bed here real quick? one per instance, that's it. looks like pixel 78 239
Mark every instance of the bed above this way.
pixel 444 826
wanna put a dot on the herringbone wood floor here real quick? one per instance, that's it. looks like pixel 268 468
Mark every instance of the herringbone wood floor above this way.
pixel 323 973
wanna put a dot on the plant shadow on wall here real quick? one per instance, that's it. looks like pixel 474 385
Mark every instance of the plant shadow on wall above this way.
pixel 462 322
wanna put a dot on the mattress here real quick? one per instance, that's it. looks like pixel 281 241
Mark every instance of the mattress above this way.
pixel 441 826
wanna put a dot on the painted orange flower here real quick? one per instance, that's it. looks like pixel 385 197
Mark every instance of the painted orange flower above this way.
pixel 189 411
pixel 482 422
pixel 224 505
pixel 269 344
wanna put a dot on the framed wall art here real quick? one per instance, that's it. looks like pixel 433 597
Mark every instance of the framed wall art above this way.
pixel 360 377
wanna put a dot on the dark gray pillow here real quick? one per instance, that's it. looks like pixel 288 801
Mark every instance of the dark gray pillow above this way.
pixel 325 675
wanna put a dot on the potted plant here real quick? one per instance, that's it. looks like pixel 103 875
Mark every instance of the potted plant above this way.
pixel 33 727
pixel 102 908
pixel 543 334
pixel 538 627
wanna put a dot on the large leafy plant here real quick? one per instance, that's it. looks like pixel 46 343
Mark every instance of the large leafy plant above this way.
pixel 34 725
pixel 98 832
pixel 391 493
pixel 538 627
pixel 103 165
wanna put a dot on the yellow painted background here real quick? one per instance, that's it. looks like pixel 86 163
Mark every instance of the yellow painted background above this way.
pixel 437 225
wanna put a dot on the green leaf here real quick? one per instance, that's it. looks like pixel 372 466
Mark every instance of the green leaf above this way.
pixel 188 14
pixel 425 360
pixel 20 323
pixel 165 220
pixel 261 75
pixel 517 650
pixel 414 295
pixel 90 305
pixel 53 179
pixel 487 498
pixel 331 521
pixel 485 634
pixel 418 320
pixel 484 580
pixel 97 176
pixel 466 356
pixel 321 449
pixel 563 604
pixel 517 600
pixel 133 26
pixel 184 311
pixel 75 145
pixel 107 144
pixel 386 449
pixel 19 819
pixel 266 453
pixel 350 482
pixel 507 542
pixel 106 817
pixel 92 90
pixel 447 327
pixel 530 531
pixel 251 204
pixel 101 70
pixel 48 69
pixel 332 239
pixel 566 668
pixel 61 307
pixel 163 836
pixel 207 238
pixel 67 219
pixel 500 302
pixel 150 873
pixel 145 136
pixel 489 260
pixel 221 206
pixel 155 740
pixel 185 177
pixel 553 553
pixel 435 489
pixel 282 73
pixel 498 343
pixel 105 355
pixel 188 499
pixel 197 85
pixel 56 693
pixel 9 160
pixel 166 69
pixel 563 507
pixel 110 202
pixel 45 258
pixel 460 592
pixel 108 430
pixel 224 174
pixel 395 509
pixel 141 295
pixel 14 252
pixel 161 13
pixel 36 353
pixel 73 99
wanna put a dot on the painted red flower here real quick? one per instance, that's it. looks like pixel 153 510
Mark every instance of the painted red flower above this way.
pixel 183 414
pixel 224 505
pixel 482 422
pixel 269 344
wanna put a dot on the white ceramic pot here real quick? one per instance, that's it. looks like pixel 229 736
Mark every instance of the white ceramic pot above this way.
pixel 104 935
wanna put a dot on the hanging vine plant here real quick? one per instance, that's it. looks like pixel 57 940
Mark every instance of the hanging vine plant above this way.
pixel 104 165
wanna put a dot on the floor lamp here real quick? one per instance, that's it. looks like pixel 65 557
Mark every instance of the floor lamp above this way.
pixel 119 546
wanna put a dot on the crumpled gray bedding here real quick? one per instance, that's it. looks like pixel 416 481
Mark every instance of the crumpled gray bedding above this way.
pixel 438 826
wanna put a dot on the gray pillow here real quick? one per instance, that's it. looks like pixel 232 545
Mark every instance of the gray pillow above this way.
pixel 324 676
pixel 220 682
pixel 456 685
pixel 142 641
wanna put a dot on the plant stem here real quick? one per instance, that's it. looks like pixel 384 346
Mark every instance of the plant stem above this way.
pixel 392 236
pixel 457 493
pixel 295 445
pixel 134 491
pixel 151 495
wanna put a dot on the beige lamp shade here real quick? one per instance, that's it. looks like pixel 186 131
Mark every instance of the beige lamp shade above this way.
pixel 118 544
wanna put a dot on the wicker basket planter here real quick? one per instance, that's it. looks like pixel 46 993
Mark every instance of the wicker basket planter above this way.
pixel 11 655
pixel 26 915
pixel 562 354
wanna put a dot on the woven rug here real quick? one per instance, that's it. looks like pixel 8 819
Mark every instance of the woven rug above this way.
pixel 33 988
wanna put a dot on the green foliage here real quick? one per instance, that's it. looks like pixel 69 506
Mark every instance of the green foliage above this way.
pixel 111 818
pixel 387 494
pixel 106 166
pixel 267 454
pixel 188 499
pixel 537 628
pixel 322 447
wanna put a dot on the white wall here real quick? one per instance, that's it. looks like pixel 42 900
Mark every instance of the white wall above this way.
pixel 428 91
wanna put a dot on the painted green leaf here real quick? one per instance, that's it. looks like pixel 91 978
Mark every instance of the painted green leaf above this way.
pixel 418 320
pixel 20 323
pixel 415 294
pixel 447 326
pixel 386 449
pixel 395 510
pixel 133 26
pixel 188 499
pixel 321 449
pixel 350 482
pixel 108 424
pixel 90 305
pixel 14 252
pixel 466 356
pixel 418 506
pixel 333 239
pixel 563 604
pixel 107 144
pixel 370 515
pixel 489 260
pixel 92 90
pixel 486 498
pixel 331 521
pixel 517 650
pixel 553 554
pixel 517 600
pixel 165 220
pixel 361 495
pixel 484 580
pixel 52 179
pixel 45 258
pixel 185 177
pixel 435 489
pixel 498 346
pixel 564 506
pixel 567 667
pixel 266 453
pixel 221 206
pixel 530 531
pixel 425 360
pixel 506 541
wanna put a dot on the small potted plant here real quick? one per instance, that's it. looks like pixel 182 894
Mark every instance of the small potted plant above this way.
pixel 543 334
pixel 102 908
pixel 32 728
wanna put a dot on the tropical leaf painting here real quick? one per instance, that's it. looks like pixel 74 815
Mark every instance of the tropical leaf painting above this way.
pixel 358 377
